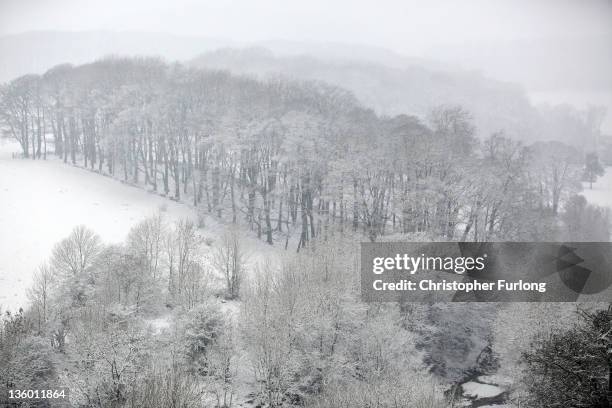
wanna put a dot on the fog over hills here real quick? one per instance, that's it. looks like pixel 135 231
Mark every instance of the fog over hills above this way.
pixel 554 70
pixel 390 83
pixel 411 89
pixel 37 51
pixel 546 64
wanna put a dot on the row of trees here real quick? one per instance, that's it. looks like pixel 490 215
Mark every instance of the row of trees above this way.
pixel 289 159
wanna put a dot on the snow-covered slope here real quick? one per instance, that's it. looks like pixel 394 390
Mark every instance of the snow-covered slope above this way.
pixel 42 201
pixel 601 194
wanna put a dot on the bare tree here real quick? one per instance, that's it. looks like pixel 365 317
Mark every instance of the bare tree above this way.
pixel 230 259
pixel 39 294
pixel 182 257
pixel 146 240
pixel 20 111
pixel 73 255
pixel 222 368
pixel 556 169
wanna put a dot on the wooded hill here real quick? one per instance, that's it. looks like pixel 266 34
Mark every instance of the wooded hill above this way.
pixel 289 158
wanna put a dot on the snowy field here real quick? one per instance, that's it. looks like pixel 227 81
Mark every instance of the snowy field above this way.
pixel 601 194
pixel 42 201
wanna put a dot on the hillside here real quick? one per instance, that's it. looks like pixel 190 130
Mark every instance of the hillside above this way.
pixel 37 51
pixel 392 90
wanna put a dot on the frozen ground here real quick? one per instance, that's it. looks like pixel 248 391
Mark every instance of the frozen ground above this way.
pixel 601 194
pixel 478 390
pixel 42 201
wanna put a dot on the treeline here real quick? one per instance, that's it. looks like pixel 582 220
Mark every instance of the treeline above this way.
pixel 288 158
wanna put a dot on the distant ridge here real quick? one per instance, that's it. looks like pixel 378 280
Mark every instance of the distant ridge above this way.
pixel 412 88
pixel 37 51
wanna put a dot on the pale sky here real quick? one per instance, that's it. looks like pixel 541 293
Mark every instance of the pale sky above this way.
pixel 557 50
pixel 408 27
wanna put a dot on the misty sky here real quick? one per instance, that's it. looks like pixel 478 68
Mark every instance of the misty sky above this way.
pixel 560 51
pixel 409 27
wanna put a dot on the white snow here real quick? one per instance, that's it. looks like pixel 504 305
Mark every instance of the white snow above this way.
pixel 42 201
pixel 496 406
pixel 601 194
pixel 478 390
pixel 158 325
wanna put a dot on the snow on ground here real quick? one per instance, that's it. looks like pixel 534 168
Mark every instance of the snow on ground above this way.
pixel 601 194
pixel 496 406
pixel 477 390
pixel 159 324
pixel 42 201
